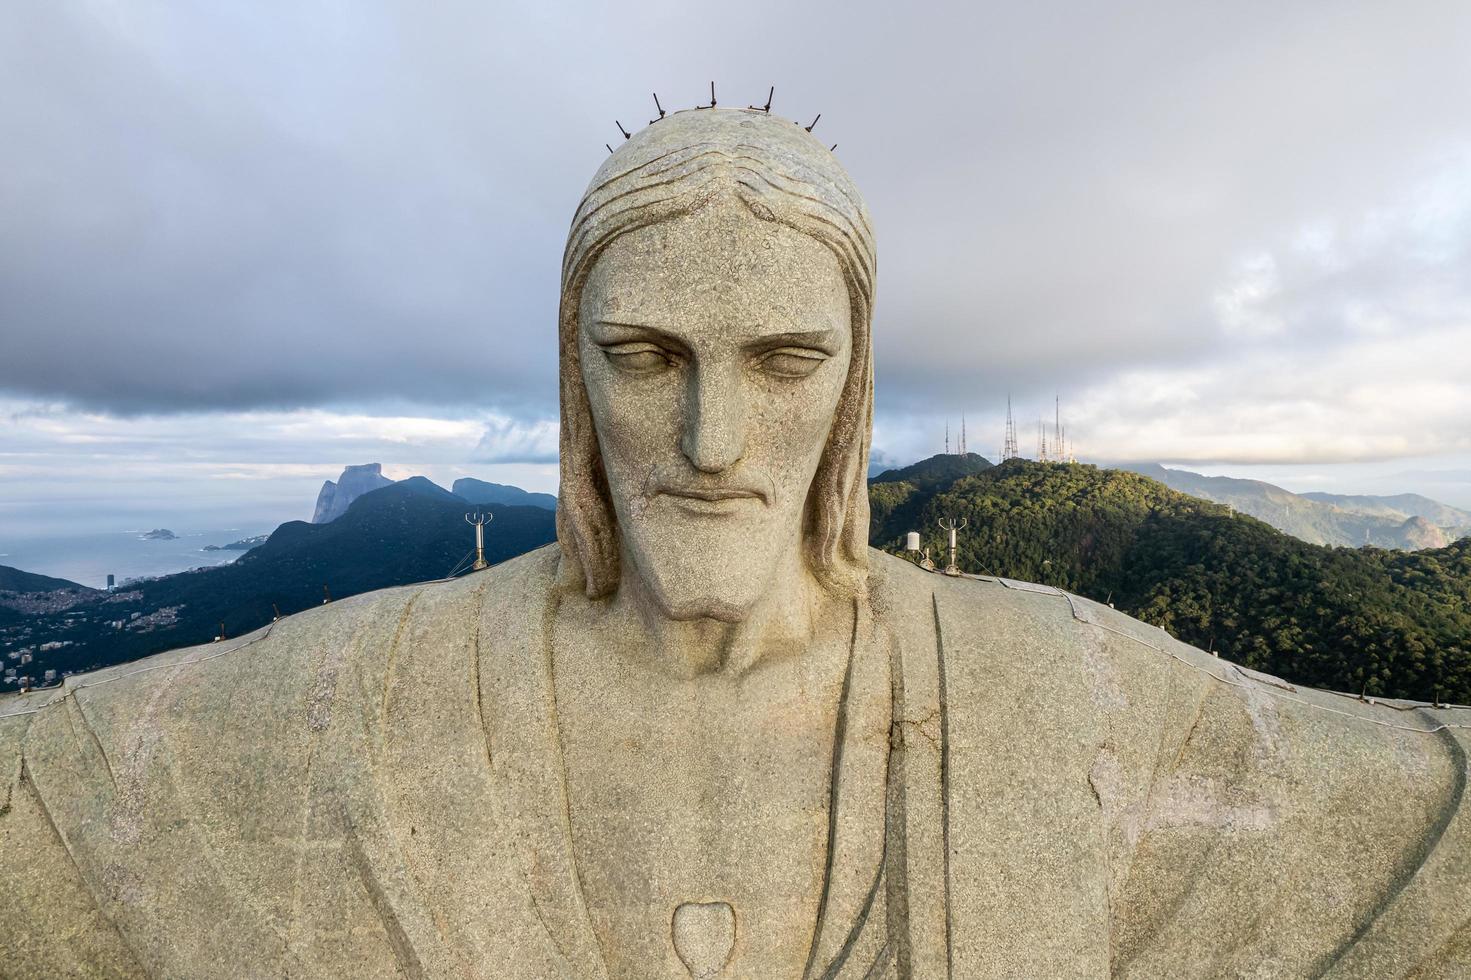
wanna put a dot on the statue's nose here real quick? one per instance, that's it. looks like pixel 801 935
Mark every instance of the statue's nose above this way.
pixel 714 436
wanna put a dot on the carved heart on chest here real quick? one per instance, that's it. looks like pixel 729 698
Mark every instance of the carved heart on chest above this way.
pixel 704 936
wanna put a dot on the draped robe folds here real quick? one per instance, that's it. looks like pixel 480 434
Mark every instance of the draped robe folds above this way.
pixel 1025 783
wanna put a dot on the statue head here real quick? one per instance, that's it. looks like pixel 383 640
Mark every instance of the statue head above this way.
pixel 716 372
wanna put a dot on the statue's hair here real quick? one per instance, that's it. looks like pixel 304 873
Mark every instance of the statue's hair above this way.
pixel 782 174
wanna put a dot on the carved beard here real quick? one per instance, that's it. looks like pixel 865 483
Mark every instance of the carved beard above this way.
pixel 709 558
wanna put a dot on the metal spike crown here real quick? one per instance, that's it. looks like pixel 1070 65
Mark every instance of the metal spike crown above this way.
pixel 770 94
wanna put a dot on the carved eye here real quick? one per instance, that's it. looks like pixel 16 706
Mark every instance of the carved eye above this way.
pixel 792 362
pixel 638 357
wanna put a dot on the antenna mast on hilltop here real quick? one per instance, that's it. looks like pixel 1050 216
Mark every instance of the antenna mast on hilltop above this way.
pixel 1058 449
pixel 962 433
pixel 1008 448
pixel 947 437
pixel 1041 442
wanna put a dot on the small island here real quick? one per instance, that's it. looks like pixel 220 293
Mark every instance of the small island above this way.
pixel 160 534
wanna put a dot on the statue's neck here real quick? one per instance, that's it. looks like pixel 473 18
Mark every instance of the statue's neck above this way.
pixel 778 625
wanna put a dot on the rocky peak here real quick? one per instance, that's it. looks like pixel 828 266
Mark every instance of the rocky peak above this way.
pixel 334 498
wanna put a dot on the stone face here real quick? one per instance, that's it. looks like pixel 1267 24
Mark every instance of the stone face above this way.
pixel 707 735
pixel 712 416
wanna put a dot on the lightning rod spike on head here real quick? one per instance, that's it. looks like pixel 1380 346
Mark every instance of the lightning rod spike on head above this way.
pixel 610 149
pixel 712 95
pixel 658 106
pixel 770 92
pixel 814 122
pixel 621 129
pixel 833 148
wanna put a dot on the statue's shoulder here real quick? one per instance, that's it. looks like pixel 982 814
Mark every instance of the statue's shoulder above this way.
pixel 277 649
pixel 1209 781
pixel 1030 614
pixel 277 655
pixel 1048 631
pixel 272 683
pixel 219 756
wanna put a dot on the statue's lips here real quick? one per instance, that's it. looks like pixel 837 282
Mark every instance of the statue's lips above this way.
pixel 701 500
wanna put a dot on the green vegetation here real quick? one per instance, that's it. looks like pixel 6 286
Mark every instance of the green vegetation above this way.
pixel 1389 623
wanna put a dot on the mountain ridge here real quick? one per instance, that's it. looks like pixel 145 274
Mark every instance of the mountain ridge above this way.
pixel 484 492
pixel 1323 518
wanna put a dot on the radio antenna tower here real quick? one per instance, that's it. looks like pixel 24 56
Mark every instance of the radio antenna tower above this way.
pixel 479 520
pixel 1057 445
pixel 1008 448
pixel 1041 441
pixel 962 433
pixel 947 437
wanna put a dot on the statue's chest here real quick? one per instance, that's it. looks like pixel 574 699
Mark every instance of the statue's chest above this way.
pixel 710 801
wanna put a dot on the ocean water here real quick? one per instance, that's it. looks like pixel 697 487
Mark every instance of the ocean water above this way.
pixel 89 558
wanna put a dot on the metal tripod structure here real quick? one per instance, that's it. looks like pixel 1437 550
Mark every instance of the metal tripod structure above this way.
pixel 479 520
pixel 948 524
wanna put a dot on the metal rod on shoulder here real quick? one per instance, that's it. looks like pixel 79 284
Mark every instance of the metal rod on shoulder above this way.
pixel 479 520
pixel 948 524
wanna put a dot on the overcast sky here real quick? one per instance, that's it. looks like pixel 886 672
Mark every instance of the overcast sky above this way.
pixel 244 244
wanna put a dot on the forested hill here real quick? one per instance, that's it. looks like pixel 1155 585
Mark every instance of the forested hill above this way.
pixel 945 469
pixel 19 582
pixel 1389 623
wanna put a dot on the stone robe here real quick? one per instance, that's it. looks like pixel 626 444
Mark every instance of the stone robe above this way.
pixel 1024 784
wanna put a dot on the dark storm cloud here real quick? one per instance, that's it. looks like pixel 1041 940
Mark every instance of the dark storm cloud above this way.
pixel 255 206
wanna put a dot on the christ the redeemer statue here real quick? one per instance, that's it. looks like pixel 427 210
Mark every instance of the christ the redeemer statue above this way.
pixel 710 733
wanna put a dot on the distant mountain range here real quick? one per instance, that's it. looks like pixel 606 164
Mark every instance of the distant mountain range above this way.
pixel 480 492
pixel 1386 622
pixel 1407 521
pixel 1397 505
pixel 337 496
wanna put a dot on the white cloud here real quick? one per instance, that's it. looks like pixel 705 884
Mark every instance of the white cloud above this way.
pixel 1240 307
pixel 60 467
pixel 506 440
